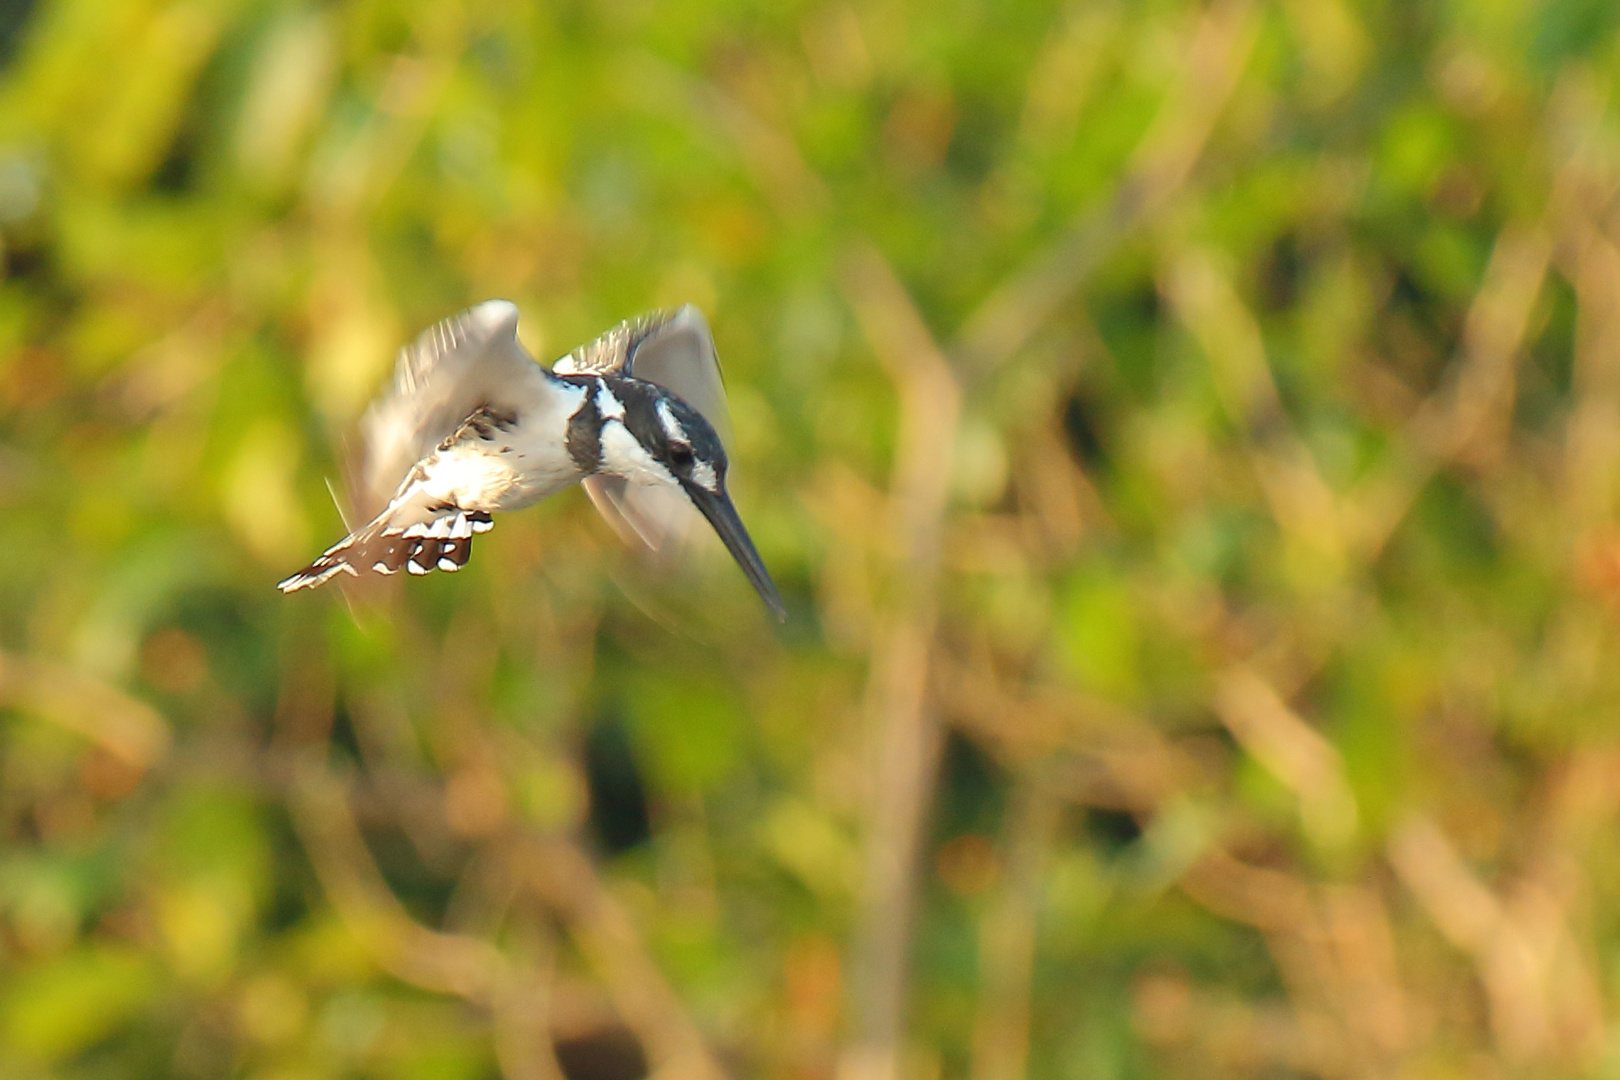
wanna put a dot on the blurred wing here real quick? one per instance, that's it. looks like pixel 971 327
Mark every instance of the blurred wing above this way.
pixel 452 368
pixel 676 351
pixel 659 517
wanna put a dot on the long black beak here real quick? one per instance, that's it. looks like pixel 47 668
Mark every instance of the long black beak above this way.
pixel 716 506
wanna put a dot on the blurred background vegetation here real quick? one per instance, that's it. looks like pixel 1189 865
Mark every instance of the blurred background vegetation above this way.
pixel 1187 434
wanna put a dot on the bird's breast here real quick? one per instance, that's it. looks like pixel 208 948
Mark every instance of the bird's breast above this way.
pixel 506 466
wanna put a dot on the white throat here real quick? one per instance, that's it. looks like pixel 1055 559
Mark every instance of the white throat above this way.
pixel 624 456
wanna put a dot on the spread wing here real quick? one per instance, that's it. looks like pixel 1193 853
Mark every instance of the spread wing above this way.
pixel 469 360
pixel 659 517
pixel 676 351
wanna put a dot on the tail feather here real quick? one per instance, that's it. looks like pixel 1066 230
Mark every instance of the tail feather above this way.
pixel 386 546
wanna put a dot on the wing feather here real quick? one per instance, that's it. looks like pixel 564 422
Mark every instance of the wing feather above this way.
pixel 470 359
pixel 660 518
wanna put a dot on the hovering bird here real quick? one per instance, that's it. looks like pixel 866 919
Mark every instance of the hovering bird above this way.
pixel 474 426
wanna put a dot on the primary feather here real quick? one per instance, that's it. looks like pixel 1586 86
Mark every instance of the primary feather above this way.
pixel 469 360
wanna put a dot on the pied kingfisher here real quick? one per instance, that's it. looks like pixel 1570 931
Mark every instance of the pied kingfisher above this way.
pixel 473 425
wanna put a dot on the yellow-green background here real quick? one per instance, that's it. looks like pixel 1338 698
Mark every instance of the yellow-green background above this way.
pixel 1187 436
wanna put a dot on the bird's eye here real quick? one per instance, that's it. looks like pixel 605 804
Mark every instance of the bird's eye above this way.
pixel 680 455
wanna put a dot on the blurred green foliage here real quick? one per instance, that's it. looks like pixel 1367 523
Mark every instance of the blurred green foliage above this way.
pixel 1263 620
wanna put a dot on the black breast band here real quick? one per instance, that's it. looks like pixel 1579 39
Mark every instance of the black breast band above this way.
pixel 585 432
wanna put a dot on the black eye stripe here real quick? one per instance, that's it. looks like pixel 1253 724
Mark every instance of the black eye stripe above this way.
pixel 695 442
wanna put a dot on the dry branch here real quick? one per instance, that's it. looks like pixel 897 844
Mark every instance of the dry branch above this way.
pixel 909 737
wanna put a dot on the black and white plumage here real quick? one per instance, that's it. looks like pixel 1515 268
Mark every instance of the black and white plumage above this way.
pixel 474 426
pixel 673 350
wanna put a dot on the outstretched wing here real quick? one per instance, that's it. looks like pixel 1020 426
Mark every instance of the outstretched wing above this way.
pixel 469 360
pixel 658 517
pixel 676 351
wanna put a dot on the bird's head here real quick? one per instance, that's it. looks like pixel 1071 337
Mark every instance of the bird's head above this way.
pixel 650 436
